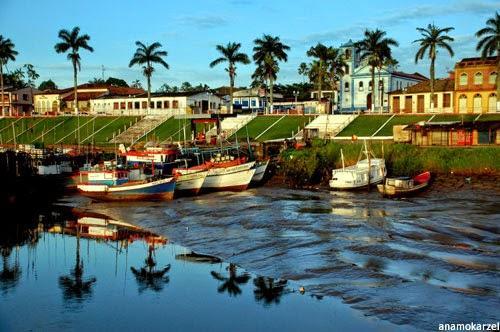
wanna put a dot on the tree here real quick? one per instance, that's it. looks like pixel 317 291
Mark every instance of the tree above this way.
pixel 303 70
pixel 16 79
pixel 230 54
pixel 116 82
pixel 72 41
pixel 321 53
pixel 489 45
pixel 32 74
pixel 47 85
pixel 97 80
pixel 268 51
pixel 373 48
pixel 334 71
pixel 136 84
pixel 147 55
pixel 186 87
pixel 432 39
pixel 7 53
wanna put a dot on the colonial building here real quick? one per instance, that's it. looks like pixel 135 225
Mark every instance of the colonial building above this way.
pixel 17 102
pixel 62 101
pixel 161 103
pixel 475 86
pixel 417 98
pixel 355 85
pixel 253 99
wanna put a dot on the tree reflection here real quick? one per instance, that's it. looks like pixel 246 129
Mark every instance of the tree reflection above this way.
pixel 74 286
pixel 268 290
pixel 231 283
pixel 9 276
pixel 148 277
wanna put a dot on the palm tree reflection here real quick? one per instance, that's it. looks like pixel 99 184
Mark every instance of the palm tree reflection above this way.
pixel 9 276
pixel 148 277
pixel 268 290
pixel 231 283
pixel 74 286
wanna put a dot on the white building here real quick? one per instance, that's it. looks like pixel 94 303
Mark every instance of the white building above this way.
pixel 355 86
pixel 253 99
pixel 161 103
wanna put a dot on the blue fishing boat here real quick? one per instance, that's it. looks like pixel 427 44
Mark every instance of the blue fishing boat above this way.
pixel 151 189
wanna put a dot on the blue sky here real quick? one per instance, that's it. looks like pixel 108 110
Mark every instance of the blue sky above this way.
pixel 190 29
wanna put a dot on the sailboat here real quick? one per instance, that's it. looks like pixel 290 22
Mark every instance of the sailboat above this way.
pixel 365 172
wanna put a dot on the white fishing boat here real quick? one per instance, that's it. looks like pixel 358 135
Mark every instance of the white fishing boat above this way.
pixel 190 182
pixel 365 172
pixel 260 170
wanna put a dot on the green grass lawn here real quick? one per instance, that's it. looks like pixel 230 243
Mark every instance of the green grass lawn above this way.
pixel 489 117
pixel 364 125
pixel 286 127
pixel 454 117
pixel 401 120
pixel 256 126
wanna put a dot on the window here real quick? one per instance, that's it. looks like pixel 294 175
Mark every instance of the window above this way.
pixel 478 78
pixel 122 105
pixel 137 105
pixel 463 79
pixel 144 105
pixel 158 104
pixel 175 104
pixel 346 86
pixel 347 54
pixel 370 86
pixel 446 100
pixel 116 106
pixel 492 103
pixel 462 104
pixel 347 70
pixel 380 84
pixel 360 86
pixel 245 103
pixel 14 97
pixel 493 78
pixel 253 103
pixel 166 104
pixel 25 96
pixel 152 105
pixel 129 106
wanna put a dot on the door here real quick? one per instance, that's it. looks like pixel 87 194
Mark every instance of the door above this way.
pixel 420 103
pixel 478 104
pixel 462 104
pixel 395 104
pixel 369 101
pixel 492 103
pixel 408 100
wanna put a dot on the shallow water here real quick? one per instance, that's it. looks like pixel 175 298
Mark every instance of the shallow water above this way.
pixel 59 273
pixel 415 263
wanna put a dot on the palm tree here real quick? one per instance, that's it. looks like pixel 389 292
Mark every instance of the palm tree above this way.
pixel 231 55
pixel 7 53
pixel 303 69
pixel 147 55
pixel 265 72
pixel 489 45
pixel 432 39
pixel 322 55
pixel 231 283
pixel 335 70
pixel 268 51
pixel 373 48
pixel 72 42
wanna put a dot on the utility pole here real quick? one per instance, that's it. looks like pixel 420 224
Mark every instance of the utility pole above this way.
pixel 102 68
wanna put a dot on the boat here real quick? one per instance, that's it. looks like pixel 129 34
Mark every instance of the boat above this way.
pixel 151 155
pixel 229 178
pixel 150 189
pixel 364 173
pixel 404 186
pixel 260 170
pixel 189 181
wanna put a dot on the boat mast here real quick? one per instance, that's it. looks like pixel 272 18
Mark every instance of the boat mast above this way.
pixel 369 164
pixel 342 157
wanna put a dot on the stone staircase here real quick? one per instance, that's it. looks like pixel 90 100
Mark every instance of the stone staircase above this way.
pixel 327 126
pixel 140 129
pixel 231 125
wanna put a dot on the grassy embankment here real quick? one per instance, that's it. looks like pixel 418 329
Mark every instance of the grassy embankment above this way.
pixel 313 165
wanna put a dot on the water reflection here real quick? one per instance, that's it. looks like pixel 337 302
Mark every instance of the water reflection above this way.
pixel 9 275
pixel 75 286
pixel 148 277
pixel 268 290
pixel 231 283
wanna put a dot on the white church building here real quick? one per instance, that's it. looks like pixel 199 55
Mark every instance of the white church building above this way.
pixel 355 90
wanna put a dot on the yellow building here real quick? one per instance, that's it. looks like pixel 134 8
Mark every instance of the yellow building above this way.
pixel 475 85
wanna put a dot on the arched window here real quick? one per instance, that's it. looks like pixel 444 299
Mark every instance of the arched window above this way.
pixel 360 85
pixel 380 84
pixel 347 53
pixel 370 86
pixel 463 79
pixel 492 103
pixel 478 105
pixel 462 104
pixel 478 78
pixel 493 78
pixel 346 86
pixel 347 70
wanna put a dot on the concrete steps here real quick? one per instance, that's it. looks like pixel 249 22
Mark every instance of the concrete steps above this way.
pixel 140 129
pixel 328 126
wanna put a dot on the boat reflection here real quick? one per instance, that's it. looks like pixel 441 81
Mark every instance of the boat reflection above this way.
pixel 231 283
pixel 269 290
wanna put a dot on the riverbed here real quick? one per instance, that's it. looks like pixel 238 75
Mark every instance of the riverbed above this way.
pixel 414 262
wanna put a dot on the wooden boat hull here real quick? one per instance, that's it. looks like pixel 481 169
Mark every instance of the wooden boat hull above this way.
pixel 190 183
pixel 260 171
pixel 162 189
pixel 234 181
pixel 393 192
pixel 404 187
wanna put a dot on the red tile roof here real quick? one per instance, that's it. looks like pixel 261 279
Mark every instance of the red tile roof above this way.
pixel 414 76
pixel 83 96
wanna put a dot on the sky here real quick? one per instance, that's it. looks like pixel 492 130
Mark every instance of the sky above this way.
pixel 189 30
